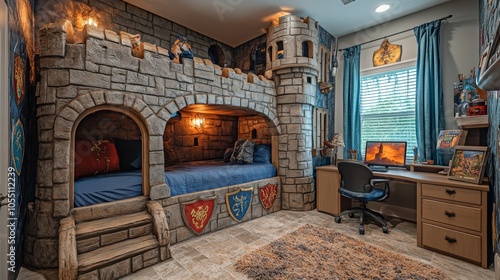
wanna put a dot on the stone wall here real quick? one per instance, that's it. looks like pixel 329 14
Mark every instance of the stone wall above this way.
pixel 106 125
pixel 187 143
pixel 220 217
pixel 247 124
pixel 119 16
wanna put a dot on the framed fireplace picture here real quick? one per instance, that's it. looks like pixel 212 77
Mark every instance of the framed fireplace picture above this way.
pixel 468 164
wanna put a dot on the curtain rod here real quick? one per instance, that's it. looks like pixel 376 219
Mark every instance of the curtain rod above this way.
pixel 444 18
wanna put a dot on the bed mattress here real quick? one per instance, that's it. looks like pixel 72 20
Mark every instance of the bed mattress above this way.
pixel 181 178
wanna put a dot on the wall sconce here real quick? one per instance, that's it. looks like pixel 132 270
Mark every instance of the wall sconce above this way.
pixel 89 17
pixel 198 121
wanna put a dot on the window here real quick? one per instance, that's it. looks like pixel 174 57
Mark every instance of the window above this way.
pixel 307 49
pixel 324 63
pixel 388 107
pixel 320 127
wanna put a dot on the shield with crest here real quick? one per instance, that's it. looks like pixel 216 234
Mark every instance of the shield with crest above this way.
pixel 238 203
pixel 267 195
pixel 197 213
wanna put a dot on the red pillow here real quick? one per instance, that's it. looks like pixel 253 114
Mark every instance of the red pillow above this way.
pixel 95 157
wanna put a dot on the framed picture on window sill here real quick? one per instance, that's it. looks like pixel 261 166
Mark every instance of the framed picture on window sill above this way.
pixel 468 164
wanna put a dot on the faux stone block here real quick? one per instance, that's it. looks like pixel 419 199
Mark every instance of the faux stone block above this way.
pixel 115 271
pixel 159 192
pixel 86 78
pixel 110 238
pixel 58 77
pixel 140 231
pixel 111 54
pixel 137 263
pixel 46 252
pixel 53 38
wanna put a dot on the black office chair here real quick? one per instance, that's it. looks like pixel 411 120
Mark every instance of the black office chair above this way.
pixel 357 183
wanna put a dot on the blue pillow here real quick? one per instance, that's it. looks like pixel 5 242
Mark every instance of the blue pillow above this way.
pixel 129 153
pixel 262 153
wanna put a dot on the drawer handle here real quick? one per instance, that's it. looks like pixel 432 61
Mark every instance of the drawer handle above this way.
pixel 450 192
pixel 449 214
pixel 450 240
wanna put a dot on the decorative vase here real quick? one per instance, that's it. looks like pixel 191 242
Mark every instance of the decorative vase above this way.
pixel 333 159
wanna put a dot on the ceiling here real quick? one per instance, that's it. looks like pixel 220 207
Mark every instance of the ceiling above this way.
pixel 234 22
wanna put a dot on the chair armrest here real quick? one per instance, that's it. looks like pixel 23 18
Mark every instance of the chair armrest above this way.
pixel 387 190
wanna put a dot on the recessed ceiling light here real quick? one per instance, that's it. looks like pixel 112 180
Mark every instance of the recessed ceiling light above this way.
pixel 382 8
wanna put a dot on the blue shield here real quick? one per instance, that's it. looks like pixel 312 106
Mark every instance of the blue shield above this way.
pixel 17 146
pixel 238 203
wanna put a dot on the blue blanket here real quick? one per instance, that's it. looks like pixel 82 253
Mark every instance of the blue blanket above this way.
pixel 206 175
pixel 107 187
pixel 182 179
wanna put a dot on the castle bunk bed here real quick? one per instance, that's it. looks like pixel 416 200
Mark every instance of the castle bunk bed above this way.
pixel 181 178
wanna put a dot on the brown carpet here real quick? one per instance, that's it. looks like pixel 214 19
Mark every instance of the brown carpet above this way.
pixel 316 253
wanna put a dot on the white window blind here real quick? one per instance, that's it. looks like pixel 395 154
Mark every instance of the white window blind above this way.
pixel 388 107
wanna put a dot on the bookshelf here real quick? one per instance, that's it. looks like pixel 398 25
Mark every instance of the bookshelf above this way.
pixel 477 129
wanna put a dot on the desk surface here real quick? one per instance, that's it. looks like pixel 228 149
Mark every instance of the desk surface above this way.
pixel 418 177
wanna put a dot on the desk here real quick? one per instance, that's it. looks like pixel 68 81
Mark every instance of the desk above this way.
pixel 452 216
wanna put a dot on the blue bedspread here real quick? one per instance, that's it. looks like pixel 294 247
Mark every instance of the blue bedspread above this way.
pixel 182 179
pixel 107 187
pixel 211 174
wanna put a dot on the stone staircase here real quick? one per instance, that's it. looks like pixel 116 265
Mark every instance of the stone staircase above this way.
pixel 110 240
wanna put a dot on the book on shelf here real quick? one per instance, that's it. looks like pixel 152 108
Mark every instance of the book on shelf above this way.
pixel 450 138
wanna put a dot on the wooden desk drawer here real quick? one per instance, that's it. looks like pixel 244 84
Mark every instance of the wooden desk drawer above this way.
pixel 452 193
pixel 451 214
pixel 454 242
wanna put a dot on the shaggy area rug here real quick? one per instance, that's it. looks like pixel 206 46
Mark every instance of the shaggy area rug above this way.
pixel 317 253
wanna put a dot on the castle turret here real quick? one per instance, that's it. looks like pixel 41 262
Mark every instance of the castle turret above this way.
pixel 292 57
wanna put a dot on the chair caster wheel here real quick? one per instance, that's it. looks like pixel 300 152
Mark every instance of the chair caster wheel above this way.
pixel 362 230
pixel 385 229
pixel 351 215
pixel 338 220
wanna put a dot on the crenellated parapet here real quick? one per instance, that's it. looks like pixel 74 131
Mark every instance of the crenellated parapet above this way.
pixel 292 42
pixel 107 60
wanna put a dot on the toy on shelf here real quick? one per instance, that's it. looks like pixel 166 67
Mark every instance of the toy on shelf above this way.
pixel 181 48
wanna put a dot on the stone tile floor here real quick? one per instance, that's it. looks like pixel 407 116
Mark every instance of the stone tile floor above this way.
pixel 211 256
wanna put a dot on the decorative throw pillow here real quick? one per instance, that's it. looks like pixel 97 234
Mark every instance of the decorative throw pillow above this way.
pixel 242 152
pixel 130 153
pixel 227 155
pixel 262 153
pixel 95 157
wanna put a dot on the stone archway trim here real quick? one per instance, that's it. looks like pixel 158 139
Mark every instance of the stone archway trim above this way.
pixel 69 117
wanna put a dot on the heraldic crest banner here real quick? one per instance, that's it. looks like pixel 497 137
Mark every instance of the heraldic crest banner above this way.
pixel 267 195
pixel 238 203
pixel 196 214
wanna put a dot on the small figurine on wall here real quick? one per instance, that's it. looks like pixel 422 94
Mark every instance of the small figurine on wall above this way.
pixel 181 48
pixel 137 48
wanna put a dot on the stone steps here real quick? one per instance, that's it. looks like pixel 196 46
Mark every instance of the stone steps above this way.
pixel 109 209
pixel 108 255
pixel 93 228
pixel 114 239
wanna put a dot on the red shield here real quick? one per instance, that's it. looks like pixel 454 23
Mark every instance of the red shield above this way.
pixel 267 195
pixel 19 77
pixel 197 213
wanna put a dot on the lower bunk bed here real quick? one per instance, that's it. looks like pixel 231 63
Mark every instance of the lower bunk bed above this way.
pixel 206 196
pixel 184 178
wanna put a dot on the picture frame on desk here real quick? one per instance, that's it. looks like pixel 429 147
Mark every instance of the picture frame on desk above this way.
pixel 468 164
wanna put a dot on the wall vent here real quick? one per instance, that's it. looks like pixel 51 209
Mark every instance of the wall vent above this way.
pixel 347 1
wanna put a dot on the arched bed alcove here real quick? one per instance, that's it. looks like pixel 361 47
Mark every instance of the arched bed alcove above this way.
pixel 120 137
pixel 189 145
